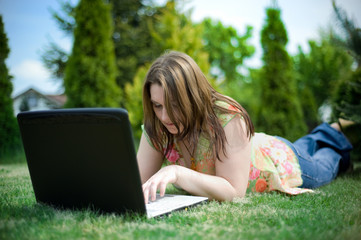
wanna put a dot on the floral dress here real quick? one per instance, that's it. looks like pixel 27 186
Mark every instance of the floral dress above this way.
pixel 274 166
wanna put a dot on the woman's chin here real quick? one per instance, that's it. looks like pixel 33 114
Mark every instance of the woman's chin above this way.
pixel 172 129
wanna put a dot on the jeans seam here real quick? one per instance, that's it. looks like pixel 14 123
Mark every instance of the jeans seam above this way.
pixel 306 175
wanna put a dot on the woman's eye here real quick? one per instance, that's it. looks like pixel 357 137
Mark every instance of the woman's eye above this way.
pixel 157 106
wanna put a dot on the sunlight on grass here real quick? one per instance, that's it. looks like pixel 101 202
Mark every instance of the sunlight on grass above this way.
pixel 332 212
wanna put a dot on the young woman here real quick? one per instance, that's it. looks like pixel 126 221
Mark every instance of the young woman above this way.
pixel 208 143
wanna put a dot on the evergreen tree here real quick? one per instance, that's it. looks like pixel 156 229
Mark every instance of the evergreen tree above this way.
pixel 91 71
pixel 280 111
pixel 131 37
pixel 348 96
pixel 134 101
pixel 318 73
pixel 347 100
pixel 9 131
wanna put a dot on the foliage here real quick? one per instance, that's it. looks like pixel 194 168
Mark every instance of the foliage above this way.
pixel 348 96
pixel 318 74
pixel 55 59
pixel 347 100
pixel 351 33
pixel 133 101
pixel 53 56
pixel 227 49
pixel 256 216
pixel 280 112
pixel 173 30
pixel 132 41
pixel 347 105
pixel 91 71
pixel 9 131
pixel 66 18
pixel 249 93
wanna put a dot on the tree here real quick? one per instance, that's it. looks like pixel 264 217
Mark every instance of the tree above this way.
pixel 227 49
pixel 318 73
pixel 348 97
pixel 9 132
pixel 131 37
pixel 91 71
pixel 53 56
pixel 280 112
pixel 134 101
pixel 174 30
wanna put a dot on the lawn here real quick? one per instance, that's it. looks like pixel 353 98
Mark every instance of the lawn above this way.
pixel 332 212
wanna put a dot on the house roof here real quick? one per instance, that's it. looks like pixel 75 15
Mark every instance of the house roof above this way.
pixel 61 99
pixel 58 100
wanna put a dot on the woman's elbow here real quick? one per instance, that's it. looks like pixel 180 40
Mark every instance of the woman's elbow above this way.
pixel 233 194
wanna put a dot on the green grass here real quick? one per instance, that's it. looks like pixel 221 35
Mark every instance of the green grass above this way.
pixel 332 212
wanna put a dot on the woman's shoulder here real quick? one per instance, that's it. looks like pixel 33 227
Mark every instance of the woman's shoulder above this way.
pixel 144 131
pixel 226 112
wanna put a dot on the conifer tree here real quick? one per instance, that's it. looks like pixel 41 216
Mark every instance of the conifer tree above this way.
pixel 131 38
pixel 348 95
pixel 9 132
pixel 280 110
pixel 347 100
pixel 90 74
pixel 318 73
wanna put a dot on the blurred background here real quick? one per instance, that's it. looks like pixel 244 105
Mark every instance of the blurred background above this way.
pixel 291 64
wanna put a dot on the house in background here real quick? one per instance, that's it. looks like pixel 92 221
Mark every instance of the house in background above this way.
pixel 32 99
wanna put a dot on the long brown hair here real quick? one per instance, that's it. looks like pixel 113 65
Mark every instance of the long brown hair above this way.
pixel 190 102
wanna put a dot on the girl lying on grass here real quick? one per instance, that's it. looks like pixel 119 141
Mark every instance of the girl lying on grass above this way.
pixel 209 145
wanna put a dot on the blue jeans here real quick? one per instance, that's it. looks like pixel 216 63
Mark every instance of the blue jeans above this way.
pixel 322 154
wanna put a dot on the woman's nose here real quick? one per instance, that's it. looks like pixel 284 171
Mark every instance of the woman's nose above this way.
pixel 165 116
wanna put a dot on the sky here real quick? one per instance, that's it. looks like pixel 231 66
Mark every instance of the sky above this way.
pixel 30 27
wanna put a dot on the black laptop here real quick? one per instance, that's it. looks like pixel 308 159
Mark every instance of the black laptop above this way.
pixel 85 158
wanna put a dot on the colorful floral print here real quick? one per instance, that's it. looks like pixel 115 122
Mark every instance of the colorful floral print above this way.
pixel 172 155
pixel 261 185
pixel 277 165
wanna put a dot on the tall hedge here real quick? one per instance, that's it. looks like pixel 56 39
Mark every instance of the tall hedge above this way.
pixel 280 111
pixel 90 74
pixel 9 131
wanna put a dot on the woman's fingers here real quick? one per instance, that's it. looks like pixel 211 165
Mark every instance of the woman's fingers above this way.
pixel 162 187
pixel 153 191
pixel 146 195
pixel 150 189
pixel 159 182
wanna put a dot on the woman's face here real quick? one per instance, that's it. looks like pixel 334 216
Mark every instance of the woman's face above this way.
pixel 157 99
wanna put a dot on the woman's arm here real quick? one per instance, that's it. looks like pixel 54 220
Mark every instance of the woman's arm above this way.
pixel 231 177
pixel 149 159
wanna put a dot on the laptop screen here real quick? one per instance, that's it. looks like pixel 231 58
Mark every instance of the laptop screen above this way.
pixel 80 158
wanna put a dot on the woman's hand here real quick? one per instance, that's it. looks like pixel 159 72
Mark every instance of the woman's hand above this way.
pixel 159 181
